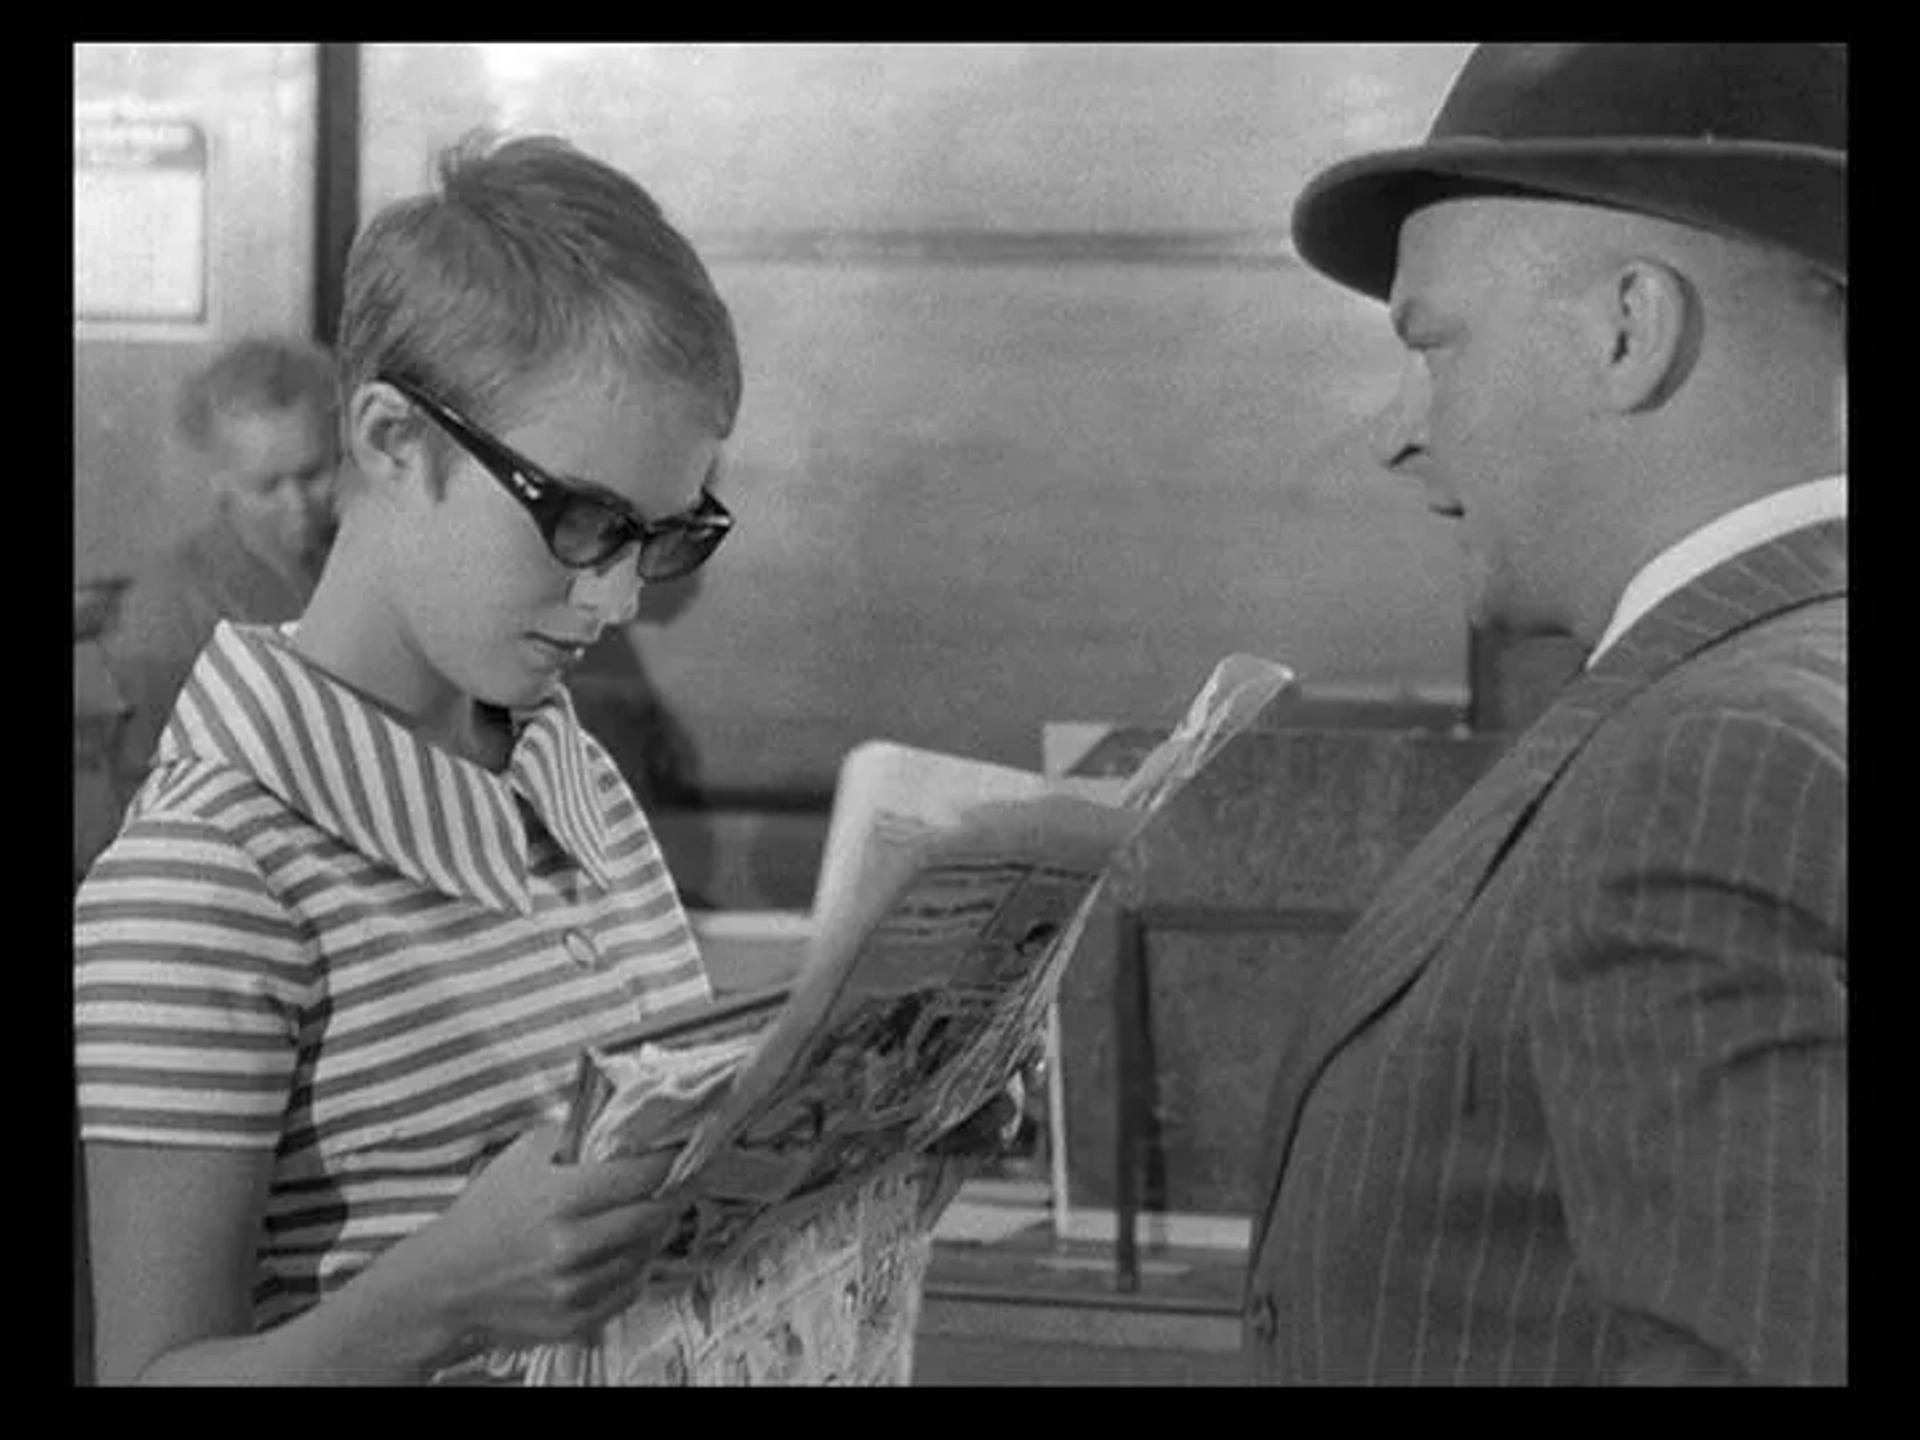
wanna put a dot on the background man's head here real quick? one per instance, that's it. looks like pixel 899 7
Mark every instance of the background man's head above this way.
pixel 1620 272
pixel 260 423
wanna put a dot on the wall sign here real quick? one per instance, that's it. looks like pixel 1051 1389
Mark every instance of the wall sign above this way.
pixel 139 224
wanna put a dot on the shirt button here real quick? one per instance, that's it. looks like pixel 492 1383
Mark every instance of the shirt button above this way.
pixel 1263 1318
pixel 581 950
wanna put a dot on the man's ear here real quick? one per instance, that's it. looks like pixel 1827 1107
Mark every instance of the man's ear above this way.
pixel 385 436
pixel 1650 320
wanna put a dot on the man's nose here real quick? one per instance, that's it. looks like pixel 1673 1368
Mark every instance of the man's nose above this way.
pixel 1399 432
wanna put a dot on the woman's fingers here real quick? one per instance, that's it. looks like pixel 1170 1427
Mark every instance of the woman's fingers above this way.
pixel 628 1234
pixel 606 1185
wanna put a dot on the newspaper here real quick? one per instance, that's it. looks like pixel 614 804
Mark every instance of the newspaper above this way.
pixel 951 895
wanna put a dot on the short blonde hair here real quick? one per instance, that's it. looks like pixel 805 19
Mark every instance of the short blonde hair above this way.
pixel 532 259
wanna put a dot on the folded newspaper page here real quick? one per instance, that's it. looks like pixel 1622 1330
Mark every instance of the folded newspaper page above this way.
pixel 951 895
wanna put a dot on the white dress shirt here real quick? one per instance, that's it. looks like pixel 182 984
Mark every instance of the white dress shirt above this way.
pixel 1732 534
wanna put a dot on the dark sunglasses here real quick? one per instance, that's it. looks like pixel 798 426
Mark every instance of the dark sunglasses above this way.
pixel 584 529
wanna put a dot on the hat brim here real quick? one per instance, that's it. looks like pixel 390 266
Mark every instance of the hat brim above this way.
pixel 1347 221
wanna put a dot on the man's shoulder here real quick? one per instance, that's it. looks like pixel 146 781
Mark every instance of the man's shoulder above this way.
pixel 1788 670
pixel 1774 693
pixel 168 595
pixel 183 555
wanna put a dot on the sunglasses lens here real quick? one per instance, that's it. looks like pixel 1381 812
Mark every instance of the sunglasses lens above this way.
pixel 588 532
pixel 591 533
pixel 679 551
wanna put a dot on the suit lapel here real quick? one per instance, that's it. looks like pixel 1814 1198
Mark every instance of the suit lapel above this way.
pixel 1427 895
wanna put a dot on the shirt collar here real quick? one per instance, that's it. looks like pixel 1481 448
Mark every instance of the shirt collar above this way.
pixel 1731 534
pixel 254 702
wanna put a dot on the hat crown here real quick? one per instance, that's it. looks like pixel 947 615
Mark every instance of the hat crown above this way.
pixel 1769 94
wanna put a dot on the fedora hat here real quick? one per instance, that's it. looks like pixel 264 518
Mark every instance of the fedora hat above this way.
pixel 1745 140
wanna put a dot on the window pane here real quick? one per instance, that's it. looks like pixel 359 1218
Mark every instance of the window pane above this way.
pixel 245 253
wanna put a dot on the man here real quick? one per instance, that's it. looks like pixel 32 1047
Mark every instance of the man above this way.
pixel 259 423
pixel 1570 1105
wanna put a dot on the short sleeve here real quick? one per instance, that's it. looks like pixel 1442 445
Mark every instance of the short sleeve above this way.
pixel 190 984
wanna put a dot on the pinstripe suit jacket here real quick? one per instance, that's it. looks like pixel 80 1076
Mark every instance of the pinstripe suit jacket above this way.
pixel 1570 1104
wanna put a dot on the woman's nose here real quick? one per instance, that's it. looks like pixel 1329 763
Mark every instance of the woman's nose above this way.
pixel 610 594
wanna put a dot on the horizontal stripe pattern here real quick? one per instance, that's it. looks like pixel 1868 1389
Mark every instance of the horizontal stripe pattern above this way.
pixel 319 938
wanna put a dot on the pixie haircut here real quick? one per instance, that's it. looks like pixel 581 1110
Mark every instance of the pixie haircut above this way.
pixel 532 261
pixel 261 375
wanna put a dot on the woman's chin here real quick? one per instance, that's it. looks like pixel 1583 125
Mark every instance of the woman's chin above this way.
pixel 521 691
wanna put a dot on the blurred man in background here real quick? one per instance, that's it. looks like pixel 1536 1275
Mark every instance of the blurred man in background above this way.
pixel 259 424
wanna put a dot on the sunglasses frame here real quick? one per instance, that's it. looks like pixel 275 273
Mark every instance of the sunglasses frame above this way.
pixel 549 499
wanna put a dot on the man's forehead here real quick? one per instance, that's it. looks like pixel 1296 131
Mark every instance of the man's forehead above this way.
pixel 1447 234
pixel 1464 243
pixel 298 419
pixel 273 441
pixel 1487 226
pixel 1422 272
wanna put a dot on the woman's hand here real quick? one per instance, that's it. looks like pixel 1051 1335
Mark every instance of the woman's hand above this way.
pixel 984 1135
pixel 535 1251
pixel 532 1251
pixel 989 1130
pixel 994 1126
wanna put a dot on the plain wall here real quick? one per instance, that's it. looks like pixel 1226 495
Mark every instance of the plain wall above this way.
pixel 1042 415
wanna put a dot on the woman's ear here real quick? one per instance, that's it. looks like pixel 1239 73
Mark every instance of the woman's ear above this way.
pixel 1649 321
pixel 385 435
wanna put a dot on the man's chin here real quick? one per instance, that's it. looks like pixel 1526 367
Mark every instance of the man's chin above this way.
pixel 1492 605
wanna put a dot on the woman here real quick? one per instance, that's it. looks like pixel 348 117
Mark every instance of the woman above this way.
pixel 381 888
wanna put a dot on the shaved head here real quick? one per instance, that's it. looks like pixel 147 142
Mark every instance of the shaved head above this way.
pixel 1573 245
pixel 1586 385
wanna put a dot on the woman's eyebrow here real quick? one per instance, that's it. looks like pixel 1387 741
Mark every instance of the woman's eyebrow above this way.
pixel 582 485
pixel 606 492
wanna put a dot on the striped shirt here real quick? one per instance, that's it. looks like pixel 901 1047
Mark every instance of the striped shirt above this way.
pixel 318 936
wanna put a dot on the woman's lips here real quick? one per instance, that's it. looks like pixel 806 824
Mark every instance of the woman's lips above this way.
pixel 562 651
